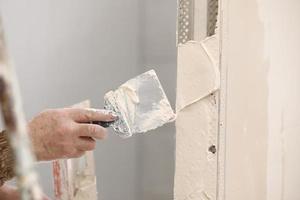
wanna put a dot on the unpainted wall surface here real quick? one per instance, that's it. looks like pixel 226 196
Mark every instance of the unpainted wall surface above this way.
pixel 247 104
pixel 282 32
pixel 261 45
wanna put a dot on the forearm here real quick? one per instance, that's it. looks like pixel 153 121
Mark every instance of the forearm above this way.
pixel 6 159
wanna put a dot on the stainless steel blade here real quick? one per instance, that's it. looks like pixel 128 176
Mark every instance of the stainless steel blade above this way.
pixel 141 105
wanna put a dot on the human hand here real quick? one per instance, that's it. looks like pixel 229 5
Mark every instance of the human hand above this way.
pixel 11 193
pixel 66 133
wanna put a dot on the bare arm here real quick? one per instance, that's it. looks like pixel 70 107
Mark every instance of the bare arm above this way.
pixel 56 134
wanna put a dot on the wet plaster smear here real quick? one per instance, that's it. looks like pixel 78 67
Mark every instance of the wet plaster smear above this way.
pixel 197 120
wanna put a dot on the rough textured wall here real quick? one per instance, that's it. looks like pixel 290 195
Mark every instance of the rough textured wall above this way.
pixel 197 120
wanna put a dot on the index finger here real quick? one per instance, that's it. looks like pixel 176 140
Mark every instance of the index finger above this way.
pixel 82 115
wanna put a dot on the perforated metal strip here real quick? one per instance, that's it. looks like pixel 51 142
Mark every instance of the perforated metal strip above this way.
pixel 185 21
pixel 212 16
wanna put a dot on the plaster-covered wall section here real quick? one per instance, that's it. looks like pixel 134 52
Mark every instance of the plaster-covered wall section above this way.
pixel 198 81
pixel 197 120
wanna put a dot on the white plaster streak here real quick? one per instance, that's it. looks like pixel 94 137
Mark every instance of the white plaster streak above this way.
pixel 211 47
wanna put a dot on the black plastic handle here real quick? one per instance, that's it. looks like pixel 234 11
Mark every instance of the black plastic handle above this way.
pixel 103 124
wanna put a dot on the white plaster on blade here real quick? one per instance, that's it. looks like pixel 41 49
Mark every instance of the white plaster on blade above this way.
pixel 132 98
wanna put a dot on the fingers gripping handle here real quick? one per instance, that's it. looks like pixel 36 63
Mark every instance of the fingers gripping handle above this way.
pixel 103 124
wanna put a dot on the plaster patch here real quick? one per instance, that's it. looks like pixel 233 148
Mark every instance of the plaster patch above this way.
pixel 196 167
pixel 198 73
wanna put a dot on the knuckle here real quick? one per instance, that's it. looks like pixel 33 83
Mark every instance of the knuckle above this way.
pixel 86 116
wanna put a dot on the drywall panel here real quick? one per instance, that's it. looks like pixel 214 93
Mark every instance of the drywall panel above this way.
pixel 260 50
pixel 282 31
pixel 247 101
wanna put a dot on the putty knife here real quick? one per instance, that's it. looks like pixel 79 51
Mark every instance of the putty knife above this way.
pixel 141 105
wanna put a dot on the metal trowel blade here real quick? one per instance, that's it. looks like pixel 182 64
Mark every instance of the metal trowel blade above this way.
pixel 141 105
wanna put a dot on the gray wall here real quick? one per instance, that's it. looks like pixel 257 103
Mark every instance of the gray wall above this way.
pixel 66 51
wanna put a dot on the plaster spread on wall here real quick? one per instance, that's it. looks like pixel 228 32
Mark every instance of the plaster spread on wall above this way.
pixel 198 68
pixel 197 120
